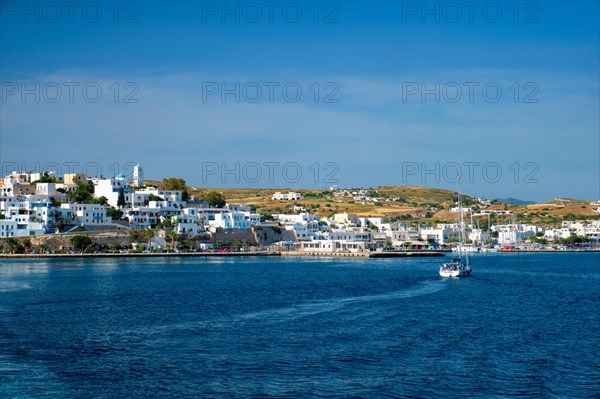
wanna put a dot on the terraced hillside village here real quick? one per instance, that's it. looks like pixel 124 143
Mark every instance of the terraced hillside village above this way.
pixel 411 204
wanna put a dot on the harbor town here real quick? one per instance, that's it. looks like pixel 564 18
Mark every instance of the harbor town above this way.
pixel 44 214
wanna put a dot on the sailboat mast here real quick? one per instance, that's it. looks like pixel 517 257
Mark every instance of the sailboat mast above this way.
pixel 462 226
pixel 472 225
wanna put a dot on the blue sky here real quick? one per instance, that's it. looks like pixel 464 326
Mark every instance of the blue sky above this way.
pixel 371 123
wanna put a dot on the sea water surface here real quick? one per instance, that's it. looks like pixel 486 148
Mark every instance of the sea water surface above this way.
pixel 524 325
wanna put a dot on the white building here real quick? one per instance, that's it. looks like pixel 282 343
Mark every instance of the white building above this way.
pixel 34 177
pixel 45 189
pixel 138 176
pixel 330 246
pixel 348 235
pixel 21 225
pixel 306 218
pixel 110 189
pixel 146 214
pixel 168 195
pixel 457 209
pixel 229 220
pixel 568 228
pixel 554 234
pixel 252 218
pixel 478 235
pixel 300 230
pixel 440 235
pixel 515 233
pixel 34 213
pixel 8 228
pixel 89 214
pixel 346 219
pixel 142 218
pixel 372 221
pixel 66 188
pixel 290 196
pixel 6 202
pixel 402 236
pixel 139 199
pixel 484 201
pixel 13 186
pixel 187 224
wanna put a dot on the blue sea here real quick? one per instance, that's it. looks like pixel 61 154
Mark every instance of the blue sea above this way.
pixel 524 325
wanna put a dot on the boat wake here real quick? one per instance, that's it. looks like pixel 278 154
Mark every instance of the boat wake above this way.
pixel 288 313
pixel 13 286
pixel 328 305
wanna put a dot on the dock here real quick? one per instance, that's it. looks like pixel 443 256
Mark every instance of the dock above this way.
pixel 145 255
pixel 376 254
pixel 380 254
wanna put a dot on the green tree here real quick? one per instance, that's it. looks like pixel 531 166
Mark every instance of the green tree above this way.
pixel 166 223
pixel 191 242
pixel 149 234
pixel 46 178
pixel 573 239
pixel 83 194
pixel 114 213
pixel 215 199
pixel 153 197
pixel 176 184
pixel 174 236
pixel 121 200
pixel 102 200
pixel 80 242
pixel 17 248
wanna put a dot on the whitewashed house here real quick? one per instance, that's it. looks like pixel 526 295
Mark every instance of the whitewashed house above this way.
pixel 290 196
pixel 89 214
pixel 229 220
pixel 8 228
pixel 330 246
pixel 110 189
pixel 514 233
pixel 46 189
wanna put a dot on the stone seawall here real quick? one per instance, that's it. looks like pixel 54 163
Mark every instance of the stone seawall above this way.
pixel 384 254
pixel 144 255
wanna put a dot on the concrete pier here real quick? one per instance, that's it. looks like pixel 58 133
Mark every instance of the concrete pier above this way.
pixel 383 254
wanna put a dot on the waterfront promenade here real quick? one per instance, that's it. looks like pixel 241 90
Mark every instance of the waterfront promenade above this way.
pixel 313 254
pixel 382 254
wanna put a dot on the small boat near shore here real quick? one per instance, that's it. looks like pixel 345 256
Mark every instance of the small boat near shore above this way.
pixel 467 248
